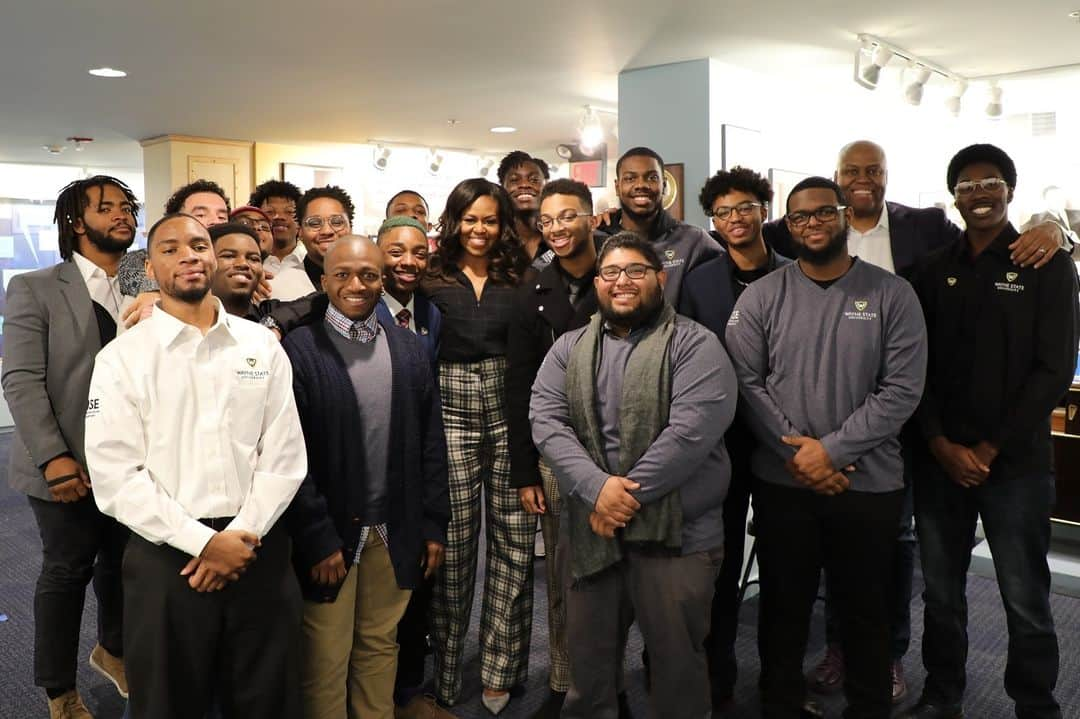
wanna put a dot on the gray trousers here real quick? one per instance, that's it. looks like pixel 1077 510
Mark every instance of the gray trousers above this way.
pixel 669 597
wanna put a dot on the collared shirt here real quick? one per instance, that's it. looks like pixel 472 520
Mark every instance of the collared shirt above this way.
pixel 293 260
pixel 873 246
pixel 357 330
pixel 103 289
pixel 182 426
pixel 472 329
pixel 396 307
pixel 291 280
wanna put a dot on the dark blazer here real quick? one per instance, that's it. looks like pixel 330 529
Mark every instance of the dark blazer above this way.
pixel 428 321
pixel 324 515
pixel 709 295
pixel 914 232
pixel 542 312
pixel 51 337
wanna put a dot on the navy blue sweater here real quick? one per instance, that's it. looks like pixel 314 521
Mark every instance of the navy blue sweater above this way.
pixel 324 515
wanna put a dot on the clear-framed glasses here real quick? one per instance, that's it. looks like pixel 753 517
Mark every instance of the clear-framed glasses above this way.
pixel 634 270
pixel 567 218
pixel 825 213
pixel 745 209
pixel 257 225
pixel 337 222
pixel 990 184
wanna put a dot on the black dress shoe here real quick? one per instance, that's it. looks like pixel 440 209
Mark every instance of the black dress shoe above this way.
pixel 624 707
pixel 926 710
pixel 811 710
pixel 551 707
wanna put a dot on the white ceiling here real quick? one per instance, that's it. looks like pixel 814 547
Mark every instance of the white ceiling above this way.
pixel 327 71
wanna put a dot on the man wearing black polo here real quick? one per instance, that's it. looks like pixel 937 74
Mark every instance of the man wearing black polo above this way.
pixel 1003 344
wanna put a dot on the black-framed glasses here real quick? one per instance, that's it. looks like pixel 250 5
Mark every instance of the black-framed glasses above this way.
pixel 567 218
pixel 257 225
pixel 337 222
pixel 990 184
pixel 825 213
pixel 634 270
pixel 744 209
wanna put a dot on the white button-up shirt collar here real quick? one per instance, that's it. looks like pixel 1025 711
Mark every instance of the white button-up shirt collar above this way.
pixel 874 245
pixel 394 306
pixel 103 289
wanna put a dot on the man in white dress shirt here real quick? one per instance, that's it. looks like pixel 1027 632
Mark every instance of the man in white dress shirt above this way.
pixel 193 441
pixel 285 262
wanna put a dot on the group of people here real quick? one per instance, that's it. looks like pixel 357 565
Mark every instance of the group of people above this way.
pixel 279 519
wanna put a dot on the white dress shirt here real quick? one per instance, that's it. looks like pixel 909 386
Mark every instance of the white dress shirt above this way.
pixel 290 278
pixel 873 246
pixel 394 306
pixel 103 289
pixel 182 427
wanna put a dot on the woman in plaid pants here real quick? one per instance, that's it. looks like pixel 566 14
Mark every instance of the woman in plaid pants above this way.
pixel 472 280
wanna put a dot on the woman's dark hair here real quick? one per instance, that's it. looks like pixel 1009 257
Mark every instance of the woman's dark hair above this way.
pixel 72 202
pixel 507 257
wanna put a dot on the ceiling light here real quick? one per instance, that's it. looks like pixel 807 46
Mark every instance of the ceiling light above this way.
pixel 484 166
pixel 503 129
pixel 435 160
pixel 952 102
pixel 914 91
pixel 80 142
pixel 107 72
pixel 54 149
pixel 993 107
pixel 380 157
pixel 590 130
pixel 872 72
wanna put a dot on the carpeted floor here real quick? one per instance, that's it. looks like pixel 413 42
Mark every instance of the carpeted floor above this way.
pixel 19 699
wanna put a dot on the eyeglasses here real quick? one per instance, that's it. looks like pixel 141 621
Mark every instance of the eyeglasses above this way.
pixel 745 209
pixel 990 184
pixel 825 213
pixel 634 270
pixel 337 222
pixel 254 224
pixel 566 218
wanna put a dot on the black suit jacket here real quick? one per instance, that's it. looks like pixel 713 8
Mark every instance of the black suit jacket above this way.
pixel 914 232
pixel 542 312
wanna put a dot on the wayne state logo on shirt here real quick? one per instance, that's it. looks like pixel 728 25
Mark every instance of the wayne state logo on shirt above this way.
pixel 733 318
pixel 670 260
pixel 252 372
pixel 1009 285
pixel 861 311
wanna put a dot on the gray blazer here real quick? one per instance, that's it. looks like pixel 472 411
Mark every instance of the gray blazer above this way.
pixel 51 337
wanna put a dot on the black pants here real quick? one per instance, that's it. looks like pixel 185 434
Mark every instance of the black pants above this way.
pixel 852 536
pixel 78 543
pixel 412 635
pixel 239 645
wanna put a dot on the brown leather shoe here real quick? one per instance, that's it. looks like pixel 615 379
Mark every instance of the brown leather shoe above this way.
pixel 69 705
pixel 899 683
pixel 422 707
pixel 828 676
pixel 110 667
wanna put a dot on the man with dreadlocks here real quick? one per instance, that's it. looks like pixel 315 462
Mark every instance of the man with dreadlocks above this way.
pixel 56 321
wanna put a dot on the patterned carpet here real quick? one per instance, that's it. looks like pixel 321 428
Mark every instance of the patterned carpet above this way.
pixel 19 699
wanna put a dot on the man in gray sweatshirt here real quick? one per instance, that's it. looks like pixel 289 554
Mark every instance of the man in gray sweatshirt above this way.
pixel 629 413
pixel 831 357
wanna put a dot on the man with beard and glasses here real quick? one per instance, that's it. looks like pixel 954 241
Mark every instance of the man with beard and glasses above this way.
pixel 278 199
pixel 56 320
pixel 831 356
pixel 630 412
pixel 639 182
pixel 193 441
pixel 894 237
pixel 1002 354
pixel 523 177
pixel 738 202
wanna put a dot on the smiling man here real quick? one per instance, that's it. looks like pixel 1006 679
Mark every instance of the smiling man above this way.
pixel 193 442
pixel 1003 344
pixel 325 214
pixel 369 522
pixel 523 177
pixel 239 268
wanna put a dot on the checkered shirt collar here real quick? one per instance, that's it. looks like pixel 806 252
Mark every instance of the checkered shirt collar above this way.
pixel 362 331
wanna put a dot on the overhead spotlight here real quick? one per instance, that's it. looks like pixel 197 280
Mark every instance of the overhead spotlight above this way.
pixel 484 165
pixel 54 149
pixel 952 102
pixel 870 74
pixel 913 92
pixel 380 157
pixel 993 107
pixel 590 131
pixel 435 160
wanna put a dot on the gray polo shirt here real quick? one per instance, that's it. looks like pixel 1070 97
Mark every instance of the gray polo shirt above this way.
pixel 845 365
pixel 688 454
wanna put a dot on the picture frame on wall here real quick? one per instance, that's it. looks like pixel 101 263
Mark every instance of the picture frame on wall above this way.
pixel 740 146
pixel 305 176
pixel 672 199
pixel 782 181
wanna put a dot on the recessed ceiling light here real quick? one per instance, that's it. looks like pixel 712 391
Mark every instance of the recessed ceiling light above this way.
pixel 503 129
pixel 1075 15
pixel 107 72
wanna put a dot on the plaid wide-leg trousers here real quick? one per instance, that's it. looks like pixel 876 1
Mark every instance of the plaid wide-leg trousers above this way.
pixel 473 397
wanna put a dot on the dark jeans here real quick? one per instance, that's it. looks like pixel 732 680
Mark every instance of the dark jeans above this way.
pixel 78 543
pixel 852 536
pixel 238 647
pixel 1015 513
pixel 412 635
pixel 720 644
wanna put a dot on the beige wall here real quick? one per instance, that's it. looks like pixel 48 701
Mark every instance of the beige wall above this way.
pixel 171 161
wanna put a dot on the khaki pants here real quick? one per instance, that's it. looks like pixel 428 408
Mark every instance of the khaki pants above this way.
pixel 350 645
